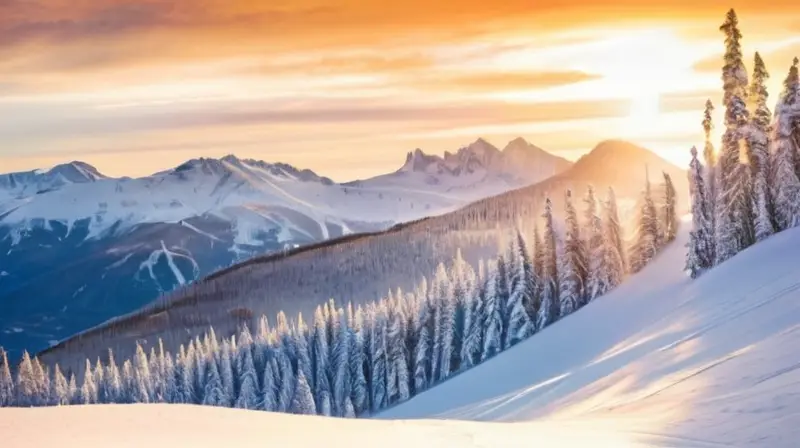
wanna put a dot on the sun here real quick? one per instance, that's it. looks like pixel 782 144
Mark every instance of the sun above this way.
pixel 644 111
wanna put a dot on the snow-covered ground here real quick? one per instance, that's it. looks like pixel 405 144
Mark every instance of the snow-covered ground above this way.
pixel 173 426
pixel 663 361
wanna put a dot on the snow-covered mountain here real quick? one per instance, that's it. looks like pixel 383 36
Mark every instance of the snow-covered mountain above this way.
pixel 29 183
pixel 363 268
pixel 78 247
pixel 474 171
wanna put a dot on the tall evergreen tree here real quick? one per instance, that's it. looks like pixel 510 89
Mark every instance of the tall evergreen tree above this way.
pixel 595 248
pixel 790 100
pixel 669 210
pixel 423 348
pixel 142 389
pixel 61 393
pixel 303 400
pixel 214 393
pixel 129 383
pixel 340 368
pixel 358 381
pixel 733 208
pixel 269 385
pixel 89 388
pixel 493 325
pixel 319 358
pixel 759 157
pixel 572 266
pixel 549 311
pixel 248 390
pixel 521 297
pixel 472 346
pixel 7 397
pixel 112 390
pixel 785 182
pixel 27 393
pixel 699 256
pixel 647 242
pixel 613 235
pixel 710 174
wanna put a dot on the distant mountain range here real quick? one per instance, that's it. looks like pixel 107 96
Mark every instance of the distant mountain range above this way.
pixel 361 268
pixel 78 247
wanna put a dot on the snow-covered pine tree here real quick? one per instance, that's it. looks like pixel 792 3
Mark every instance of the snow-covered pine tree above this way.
pixel 214 393
pixel 614 231
pixel 790 99
pixel 319 359
pixel 226 374
pixel 462 279
pixel 423 347
pixel 89 388
pixel 171 382
pixel 646 244
pixel 187 382
pixel 572 266
pixel 493 325
pixel 358 381
pixel 129 383
pixel 596 278
pixel 60 388
pixel 550 305
pixel 26 390
pixel 142 389
pixel 112 388
pixel 785 182
pixel 269 387
pixel 759 157
pixel 377 341
pixel 156 382
pixel 445 325
pixel 538 269
pixel 99 382
pixel 7 395
pixel 303 400
pixel 669 210
pixel 74 393
pixel 521 297
pixel 711 170
pixel 340 357
pixel 733 208
pixel 248 390
pixel 398 359
pixel 472 345
pixel 699 256
pixel 299 341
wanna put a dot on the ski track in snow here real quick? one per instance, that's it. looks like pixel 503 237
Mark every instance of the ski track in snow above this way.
pixel 707 362
pixel 175 271
pixel 195 229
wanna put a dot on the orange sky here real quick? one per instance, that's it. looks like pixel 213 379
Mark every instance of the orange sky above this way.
pixel 347 87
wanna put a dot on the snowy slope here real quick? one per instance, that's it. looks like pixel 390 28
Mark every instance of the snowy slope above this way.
pixel 15 186
pixel 713 360
pixel 155 426
pixel 248 192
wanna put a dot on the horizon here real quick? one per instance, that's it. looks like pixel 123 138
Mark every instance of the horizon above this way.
pixel 310 92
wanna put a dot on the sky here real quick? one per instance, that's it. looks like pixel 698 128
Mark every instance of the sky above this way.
pixel 348 87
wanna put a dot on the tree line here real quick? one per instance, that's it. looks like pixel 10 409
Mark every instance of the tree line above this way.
pixel 355 361
pixel 749 190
